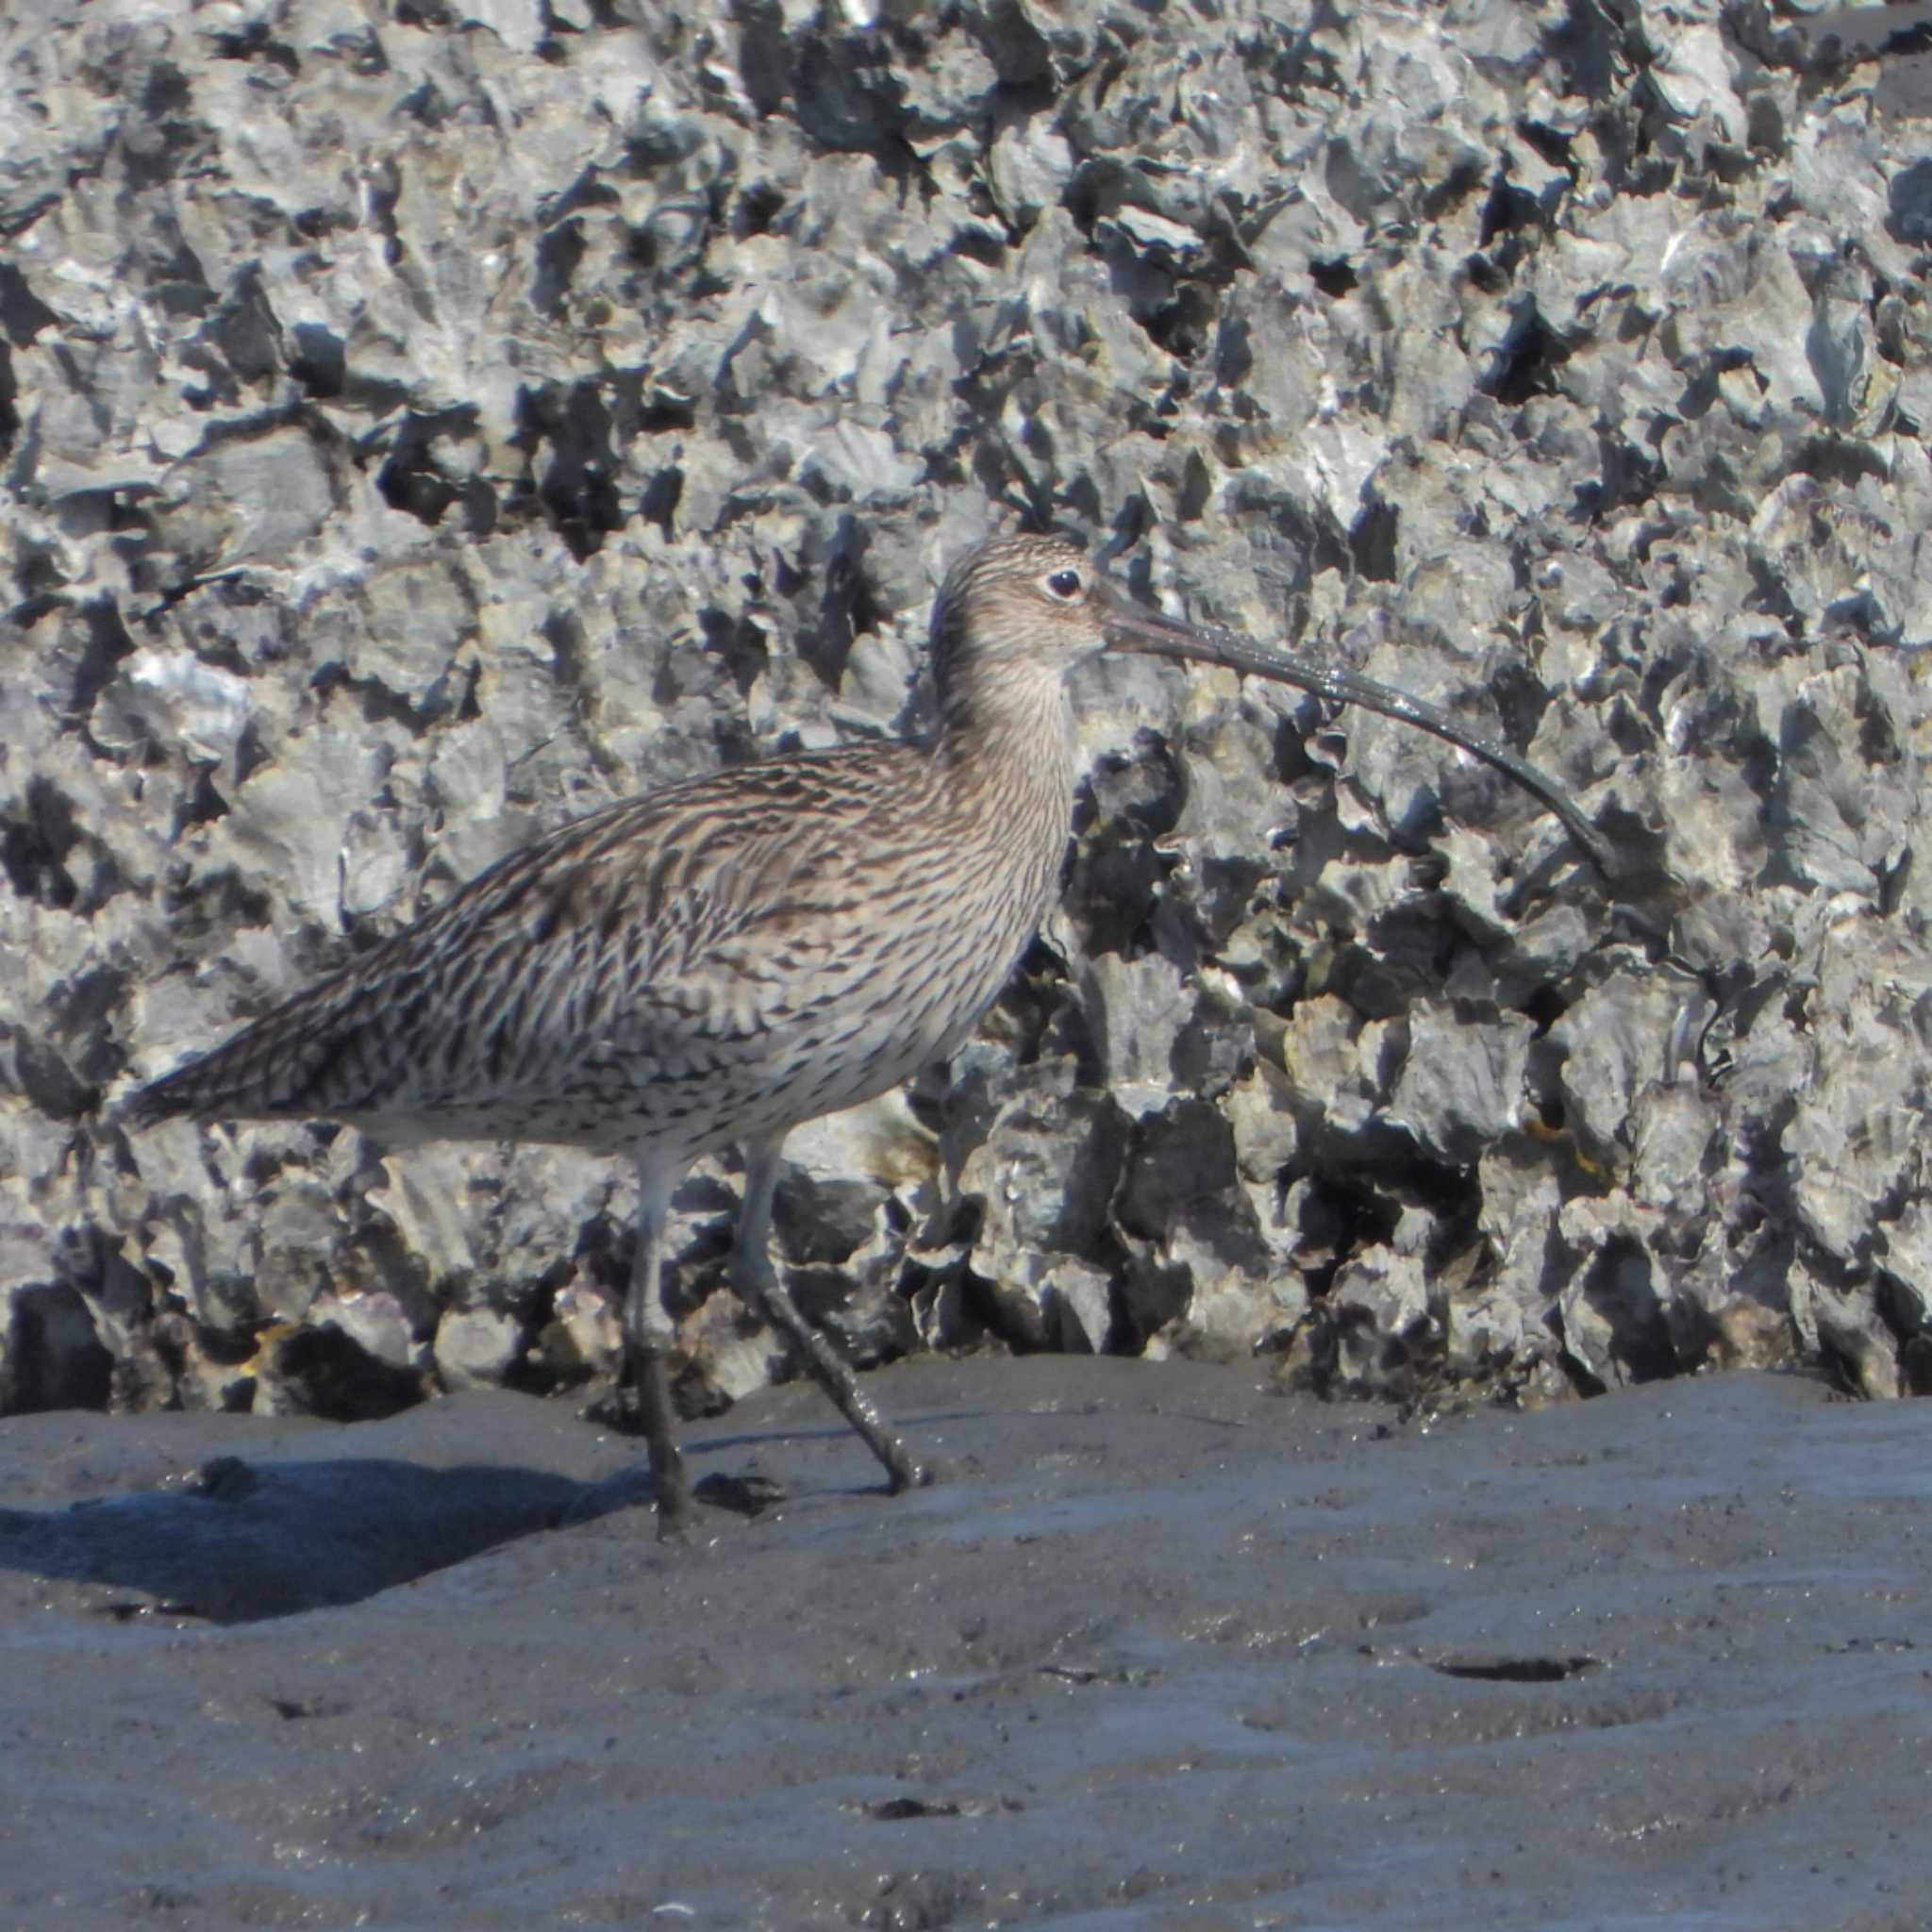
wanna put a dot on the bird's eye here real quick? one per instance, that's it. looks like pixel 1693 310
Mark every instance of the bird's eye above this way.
pixel 1064 584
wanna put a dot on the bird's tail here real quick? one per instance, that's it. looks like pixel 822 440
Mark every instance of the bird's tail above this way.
pixel 261 1074
pixel 196 1090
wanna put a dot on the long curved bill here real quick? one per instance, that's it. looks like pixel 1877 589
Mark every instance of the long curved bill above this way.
pixel 1128 627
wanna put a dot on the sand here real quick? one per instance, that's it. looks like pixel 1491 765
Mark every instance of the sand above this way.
pixel 1160 1649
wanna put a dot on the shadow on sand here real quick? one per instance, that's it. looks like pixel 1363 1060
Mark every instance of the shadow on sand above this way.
pixel 247 1540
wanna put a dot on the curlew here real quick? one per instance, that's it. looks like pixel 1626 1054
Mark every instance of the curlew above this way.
pixel 720 960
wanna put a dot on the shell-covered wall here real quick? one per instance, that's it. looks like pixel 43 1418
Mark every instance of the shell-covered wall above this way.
pixel 421 421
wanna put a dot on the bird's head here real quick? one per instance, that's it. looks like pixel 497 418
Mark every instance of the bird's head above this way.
pixel 1036 606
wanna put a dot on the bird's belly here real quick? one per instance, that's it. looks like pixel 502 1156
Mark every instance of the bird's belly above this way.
pixel 653 1089
pixel 832 1075
pixel 845 1052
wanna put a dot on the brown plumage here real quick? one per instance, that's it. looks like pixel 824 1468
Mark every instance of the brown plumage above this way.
pixel 722 961
pixel 730 956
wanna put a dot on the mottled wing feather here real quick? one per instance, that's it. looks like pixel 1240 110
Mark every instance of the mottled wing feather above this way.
pixel 649 948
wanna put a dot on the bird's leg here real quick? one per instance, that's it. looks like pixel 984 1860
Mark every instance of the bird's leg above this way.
pixel 648 1340
pixel 757 1284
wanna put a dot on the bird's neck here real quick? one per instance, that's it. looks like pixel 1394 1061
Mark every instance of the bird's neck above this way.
pixel 1012 737
pixel 1005 762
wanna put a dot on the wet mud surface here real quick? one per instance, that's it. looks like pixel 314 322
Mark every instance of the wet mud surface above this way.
pixel 1163 1649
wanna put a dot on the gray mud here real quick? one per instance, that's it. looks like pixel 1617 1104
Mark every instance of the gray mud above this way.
pixel 1163 1649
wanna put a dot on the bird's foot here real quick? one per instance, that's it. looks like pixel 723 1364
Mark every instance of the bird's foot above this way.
pixel 902 1473
pixel 676 1521
pixel 618 1409
pixel 746 1495
pixel 676 1515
